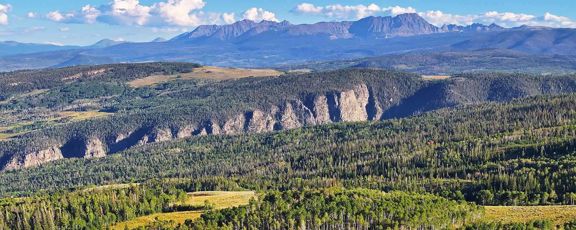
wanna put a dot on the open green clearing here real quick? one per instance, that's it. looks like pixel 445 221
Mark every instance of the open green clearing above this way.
pixel 217 199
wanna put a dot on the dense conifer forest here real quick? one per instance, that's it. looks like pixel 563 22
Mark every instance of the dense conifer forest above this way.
pixel 523 159
pixel 416 116
pixel 342 209
pixel 476 140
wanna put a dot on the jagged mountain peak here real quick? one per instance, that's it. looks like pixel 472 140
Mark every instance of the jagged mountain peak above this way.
pixel 474 27
pixel 408 24
pixel 230 31
pixel 373 26
pixel 401 25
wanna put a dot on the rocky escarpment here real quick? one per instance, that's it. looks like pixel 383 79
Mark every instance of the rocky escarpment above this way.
pixel 34 158
pixel 74 148
pixel 355 104
pixel 347 100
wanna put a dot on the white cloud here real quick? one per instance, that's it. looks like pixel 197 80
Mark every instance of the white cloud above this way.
pixel 350 11
pixel 307 8
pixel 506 19
pixel 396 10
pixel 31 15
pixel 339 11
pixel 88 14
pixel 436 17
pixel 124 12
pixel 167 13
pixel 64 29
pixel 508 16
pixel 439 18
pixel 259 14
pixel 558 21
pixel 178 12
pixel 55 16
pixel 228 18
pixel 4 9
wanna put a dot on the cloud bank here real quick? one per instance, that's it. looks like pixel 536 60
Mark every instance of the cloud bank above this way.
pixel 180 13
pixel 509 19
pixel 346 12
pixel 259 14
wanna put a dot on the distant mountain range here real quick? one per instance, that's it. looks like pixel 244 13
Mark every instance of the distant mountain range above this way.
pixel 251 44
pixel 12 48
pixel 370 27
pixel 8 48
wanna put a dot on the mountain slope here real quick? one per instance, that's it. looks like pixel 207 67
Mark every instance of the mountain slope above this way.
pixel 254 105
pixel 401 25
pixel 526 39
pixel 455 62
pixel 455 153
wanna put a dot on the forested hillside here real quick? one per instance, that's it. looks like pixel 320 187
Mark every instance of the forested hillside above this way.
pixel 316 147
pixel 185 107
pixel 100 207
pixel 455 62
pixel 342 209
pixel 380 117
pixel 522 154
pixel 25 81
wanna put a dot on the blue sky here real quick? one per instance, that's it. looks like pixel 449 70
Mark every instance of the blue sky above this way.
pixel 82 22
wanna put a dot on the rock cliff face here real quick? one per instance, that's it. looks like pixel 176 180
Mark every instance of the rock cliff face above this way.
pixel 260 121
pixel 91 148
pixel 355 104
pixel 34 158
pixel 401 25
pixel 94 149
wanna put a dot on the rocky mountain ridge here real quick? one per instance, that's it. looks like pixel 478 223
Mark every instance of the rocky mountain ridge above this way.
pixel 370 27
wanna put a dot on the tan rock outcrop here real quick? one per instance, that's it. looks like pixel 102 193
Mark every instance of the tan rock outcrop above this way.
pixel 352 104
pixel 34 158
pixel 213 128
pixel 320 109
pixel 186 131
pixel 160 135
pixel 94 149
pixel 356 104
pixel 121 137
pixel 234 125
pixel 262 122
pixel 289 119
pixel 144 140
